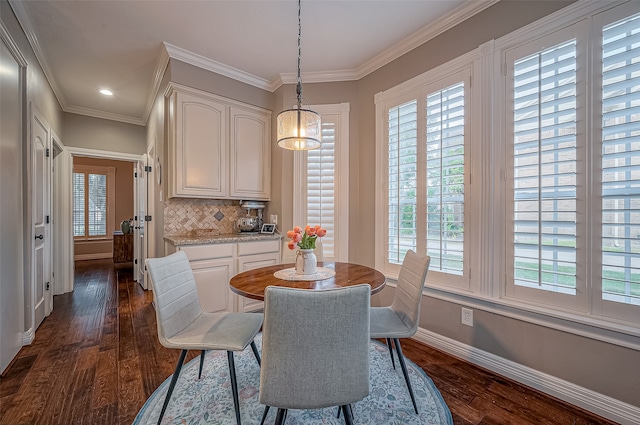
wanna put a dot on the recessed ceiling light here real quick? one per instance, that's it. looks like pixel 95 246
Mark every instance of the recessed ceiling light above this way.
pixel 106 92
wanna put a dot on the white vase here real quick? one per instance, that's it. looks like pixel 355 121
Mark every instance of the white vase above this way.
pixel 306 261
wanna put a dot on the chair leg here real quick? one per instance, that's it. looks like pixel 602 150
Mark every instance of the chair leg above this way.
pixel 174 379
pixel 391 352
pixel 202 353
pixel 405 373
pixel 281 416
pixel 255 352
pixel 348 414
pixel 264 414
pixel 234 385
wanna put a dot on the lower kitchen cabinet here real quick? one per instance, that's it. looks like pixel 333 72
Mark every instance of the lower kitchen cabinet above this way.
pixel 215 264
pixel 212 279
pixel 251 262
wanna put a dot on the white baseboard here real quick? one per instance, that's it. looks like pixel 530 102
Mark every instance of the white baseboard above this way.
pixel 96 256
pixel 592 401
pixel 28 337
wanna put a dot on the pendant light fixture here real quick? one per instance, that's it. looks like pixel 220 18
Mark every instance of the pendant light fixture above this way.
pixel 298 127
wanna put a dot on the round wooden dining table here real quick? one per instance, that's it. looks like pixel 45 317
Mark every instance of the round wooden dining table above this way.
pixel 252 283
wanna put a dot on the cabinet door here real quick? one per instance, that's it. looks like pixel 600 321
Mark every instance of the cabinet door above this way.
pixel 250 154
pixel 212 279
pixel 251 262
pixel 198 146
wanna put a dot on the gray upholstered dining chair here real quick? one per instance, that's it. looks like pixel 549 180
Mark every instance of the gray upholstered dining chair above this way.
pixel 182 324
pixel 400 319
pixel 315 349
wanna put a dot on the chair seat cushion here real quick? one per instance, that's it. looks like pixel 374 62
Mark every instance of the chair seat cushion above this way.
pixel 218 331
pixel 385 323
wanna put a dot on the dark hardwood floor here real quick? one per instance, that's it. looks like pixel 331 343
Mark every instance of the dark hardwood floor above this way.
pixel 96 359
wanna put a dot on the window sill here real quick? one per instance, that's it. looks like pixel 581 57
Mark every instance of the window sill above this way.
pixel 598 328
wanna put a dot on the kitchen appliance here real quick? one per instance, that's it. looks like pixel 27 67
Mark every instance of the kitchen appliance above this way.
pixel 252 221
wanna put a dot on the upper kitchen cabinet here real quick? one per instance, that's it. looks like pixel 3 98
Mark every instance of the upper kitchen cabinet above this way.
pixel 198 140
pixel 218 148
pixel 250 154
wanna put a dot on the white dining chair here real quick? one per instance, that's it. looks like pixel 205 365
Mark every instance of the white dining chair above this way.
pixel 182 324
pixel 400 319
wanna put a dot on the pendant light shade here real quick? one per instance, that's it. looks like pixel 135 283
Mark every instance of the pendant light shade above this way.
pixel 299 128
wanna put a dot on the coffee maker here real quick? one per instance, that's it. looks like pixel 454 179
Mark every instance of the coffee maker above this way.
pixel 252 220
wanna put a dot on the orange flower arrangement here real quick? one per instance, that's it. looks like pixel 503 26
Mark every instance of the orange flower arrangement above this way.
pixel 306 239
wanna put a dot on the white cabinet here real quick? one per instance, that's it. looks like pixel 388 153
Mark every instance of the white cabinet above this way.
pixel 250 154
pixel 252 256
pixel 217 148
pixel 198 144
pixel 212 279
pixel 214 264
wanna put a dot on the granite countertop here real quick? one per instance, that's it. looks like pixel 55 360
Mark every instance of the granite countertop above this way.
pixel 207 238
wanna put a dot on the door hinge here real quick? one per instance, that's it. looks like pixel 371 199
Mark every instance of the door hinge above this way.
pixel 135 261
pixel 135 174
pixel 47 220
pixel 48 152
pixel 147 218
pixel 147 168
pixel 48 286
pixel 135 217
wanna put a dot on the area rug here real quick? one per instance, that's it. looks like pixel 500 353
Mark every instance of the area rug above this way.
pixel 209 400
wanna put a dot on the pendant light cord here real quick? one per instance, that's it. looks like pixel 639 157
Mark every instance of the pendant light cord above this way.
pixel 299 85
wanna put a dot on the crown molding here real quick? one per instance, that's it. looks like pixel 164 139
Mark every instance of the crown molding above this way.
pixel 170 51
pixel 27 26
pixel 200 61
pixel 158 74
pixel 462 13
pixel 105 115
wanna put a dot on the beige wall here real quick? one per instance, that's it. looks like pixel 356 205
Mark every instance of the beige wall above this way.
pixel 81 131
pixel 39 95
pixel 123 205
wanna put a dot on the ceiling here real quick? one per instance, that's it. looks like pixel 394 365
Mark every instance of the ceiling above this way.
pixel 124 46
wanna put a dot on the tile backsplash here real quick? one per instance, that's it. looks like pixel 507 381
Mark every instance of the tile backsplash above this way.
pixel 190 216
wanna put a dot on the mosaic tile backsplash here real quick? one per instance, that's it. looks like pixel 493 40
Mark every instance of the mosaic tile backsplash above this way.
pixel 193 216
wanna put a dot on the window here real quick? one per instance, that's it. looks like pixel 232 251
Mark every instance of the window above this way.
pixel 92 202
pixel 319 196
pixel 620 164
pixel 551 174
pixel 424 150
pixel 573 242
pixel 543 120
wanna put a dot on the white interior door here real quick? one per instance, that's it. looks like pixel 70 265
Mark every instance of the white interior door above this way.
pixel 140 193
pixel 11 210
pixel 41 243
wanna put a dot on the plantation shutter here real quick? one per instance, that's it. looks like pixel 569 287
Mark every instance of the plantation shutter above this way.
pixel 90 205
pixel 321 179
pixel 402 196
pixel 445 179
pixel 544 169
pixel 621 161
pixel 78 205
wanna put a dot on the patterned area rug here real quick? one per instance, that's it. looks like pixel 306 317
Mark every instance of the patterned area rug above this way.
pixel 209 400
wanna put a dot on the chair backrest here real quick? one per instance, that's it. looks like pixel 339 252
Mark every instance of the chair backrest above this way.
pixel 174 293
pixel 315 347
pixel 413 274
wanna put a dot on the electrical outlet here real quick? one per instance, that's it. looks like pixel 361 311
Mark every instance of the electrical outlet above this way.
pixel 467 316
pixel 273 218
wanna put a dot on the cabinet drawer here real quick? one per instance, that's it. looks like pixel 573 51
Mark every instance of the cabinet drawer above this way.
pixel 208 252
pixel 258 247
